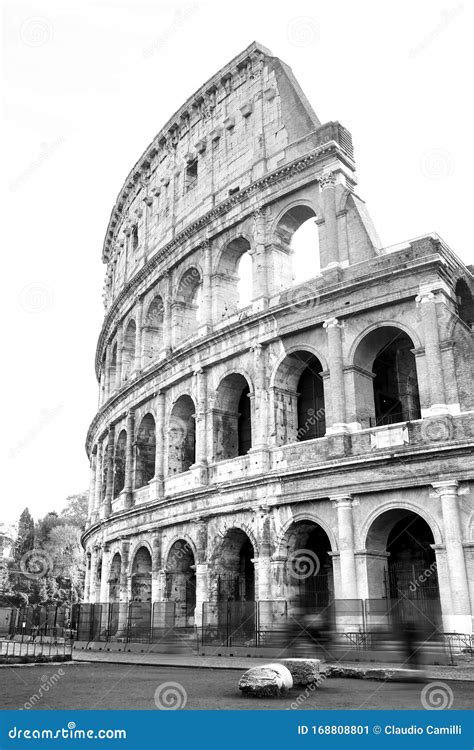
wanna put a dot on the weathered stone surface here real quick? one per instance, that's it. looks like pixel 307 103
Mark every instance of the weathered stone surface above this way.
pixel 303 671
pixel 267 681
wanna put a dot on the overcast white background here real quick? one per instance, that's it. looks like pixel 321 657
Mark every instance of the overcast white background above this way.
pixel 86 88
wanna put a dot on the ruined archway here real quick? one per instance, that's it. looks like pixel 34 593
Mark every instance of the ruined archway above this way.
pixel 145 451
pixel 187 305
pixel 307 574
pixel 114 578
pixel 402 569
pixel 153 331
pixel 181 436
pixel 464 303
pixel 181 582
pixel 296 246
pixel 141 576
pixel 298 398
pixel 233 277
pixel 232 418
pixel 128 350
pixel 385 378
pixel 119 463
pixel 235 572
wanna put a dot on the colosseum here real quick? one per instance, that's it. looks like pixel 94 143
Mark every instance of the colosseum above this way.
pixel 274 435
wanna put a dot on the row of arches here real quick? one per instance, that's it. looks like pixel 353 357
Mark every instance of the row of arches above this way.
pixel 385 381
pixel 402 567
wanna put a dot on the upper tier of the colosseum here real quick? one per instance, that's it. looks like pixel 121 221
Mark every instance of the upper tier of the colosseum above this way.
pixel 247 121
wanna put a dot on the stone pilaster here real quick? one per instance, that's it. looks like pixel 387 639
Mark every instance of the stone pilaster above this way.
pixel 93 471
pixel 259 436
pixel 118 371
pixel 427 305
pixel 167 313
pixel 206 304
pixel 87 579
pixel 156 566
pixel 160 444
pixel 260 271
pixel 128 485
pixel 201 421
pixel 330 253
pixel 345 532
pixel 104 581
pixel 460 619
pixel 98 483
pixel 336 377
pixel 202 591
pixel 107 378
pixel 106 508
pixel 138 336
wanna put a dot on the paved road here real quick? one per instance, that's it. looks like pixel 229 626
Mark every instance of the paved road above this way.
pixel 120 686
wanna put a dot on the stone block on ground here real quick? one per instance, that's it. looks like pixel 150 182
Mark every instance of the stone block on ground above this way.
pixel 267 681
pixel 303 671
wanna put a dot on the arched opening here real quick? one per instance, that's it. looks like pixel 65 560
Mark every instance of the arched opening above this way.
pixel 98 579
pixel 141 576
pixel 181 582
pixel 465 303
pixel 187 307
pixel 232 418
pixel 153 331
pixel 113 369
pixel 233 281
pixel 296 247
pixel 299 406
pixel 119 463
pixel 385 379
pixel 145 451
pixel 235 568
pixel 128 352
pixel 308 569
pixel 114 578
pixel 181 436
pixel 402 569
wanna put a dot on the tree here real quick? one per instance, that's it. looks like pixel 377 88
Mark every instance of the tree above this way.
pixel 67 561
pixel 75 510
pixel 25 539
pixel 44 527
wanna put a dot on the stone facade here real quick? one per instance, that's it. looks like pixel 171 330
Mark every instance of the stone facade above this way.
pixel 315 426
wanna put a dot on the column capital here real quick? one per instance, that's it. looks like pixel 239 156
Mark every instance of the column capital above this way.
pixel 327 180
pixel 333 323
pixel 423 297
pixel 449 487
pixel 343 501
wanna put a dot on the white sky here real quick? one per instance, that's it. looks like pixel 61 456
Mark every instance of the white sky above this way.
pixel 86 88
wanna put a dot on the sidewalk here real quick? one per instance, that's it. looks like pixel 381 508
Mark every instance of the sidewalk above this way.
pixel 464 670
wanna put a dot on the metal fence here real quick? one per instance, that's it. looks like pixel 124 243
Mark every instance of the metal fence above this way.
pixel 360 623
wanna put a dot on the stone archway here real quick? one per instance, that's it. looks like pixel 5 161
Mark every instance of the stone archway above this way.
pixel 181 582
pixel 402 571
pixel 307 575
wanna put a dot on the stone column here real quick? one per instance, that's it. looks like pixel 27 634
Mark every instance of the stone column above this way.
pixel 93 575
pixel 259 434
pixel 125 553
pixel 127 232
pixel 427 306
pixel 206 319
pixel 345 530
pixel 87 579
pixel 330 254
pixel 106 508
pixel 336 376
pixel 160 444
pixel 118 371
pixel 167 313
pixel 450 376
pixel 138 336
pixel 104 582
pixel 128 484
pixel 201 423
pixel 93 469
pixel 259 261
pixel 107 379
pixel 98 483
pixel 156 567
pixel 202 571
pixel 461 615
